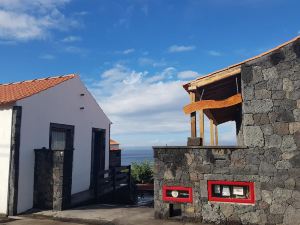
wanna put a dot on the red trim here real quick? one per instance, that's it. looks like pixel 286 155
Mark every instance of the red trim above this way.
pixel 250 200
pixel 177 188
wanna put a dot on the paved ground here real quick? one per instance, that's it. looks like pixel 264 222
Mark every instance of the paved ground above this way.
pixel 29 221
pixel 108 215
pixel 93 215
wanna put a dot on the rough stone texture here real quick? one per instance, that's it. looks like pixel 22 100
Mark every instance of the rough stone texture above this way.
pixel 52 179
pixel 270 129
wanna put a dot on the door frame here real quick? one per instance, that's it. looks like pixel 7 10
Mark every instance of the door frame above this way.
pixel 102 156
pixel 13 180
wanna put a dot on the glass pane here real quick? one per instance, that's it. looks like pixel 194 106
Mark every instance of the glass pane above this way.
pixel 58 140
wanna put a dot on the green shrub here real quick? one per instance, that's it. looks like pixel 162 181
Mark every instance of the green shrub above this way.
pixel 142 173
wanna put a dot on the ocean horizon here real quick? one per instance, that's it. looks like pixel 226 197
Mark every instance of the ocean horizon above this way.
pixel 136 155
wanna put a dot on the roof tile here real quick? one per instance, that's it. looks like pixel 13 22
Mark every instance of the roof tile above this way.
pixel 12 92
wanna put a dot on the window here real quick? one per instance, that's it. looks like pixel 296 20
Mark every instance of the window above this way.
pixel 231 191
pixel 58 140
pixel 177 194
pixel 61 136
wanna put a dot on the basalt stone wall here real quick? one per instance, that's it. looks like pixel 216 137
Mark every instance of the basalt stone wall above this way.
pixel 53 179
pixel 271 127
pixel 276 195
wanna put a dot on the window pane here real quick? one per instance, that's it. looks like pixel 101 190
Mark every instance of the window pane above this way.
pixel 58 140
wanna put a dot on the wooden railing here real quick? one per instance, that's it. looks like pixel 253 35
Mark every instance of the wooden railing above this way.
pixel 113 179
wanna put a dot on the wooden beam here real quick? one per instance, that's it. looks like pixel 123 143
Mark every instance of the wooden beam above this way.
pixel 212 104
pixel 212 138
pixel 193 117
pixel 216 135
pixel 201 125
pixel 209 114
pixel 213 77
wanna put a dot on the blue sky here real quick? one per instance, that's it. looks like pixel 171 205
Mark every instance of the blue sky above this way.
pixel 134 55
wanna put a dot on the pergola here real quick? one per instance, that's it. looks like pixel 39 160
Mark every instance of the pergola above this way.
pixel 218 96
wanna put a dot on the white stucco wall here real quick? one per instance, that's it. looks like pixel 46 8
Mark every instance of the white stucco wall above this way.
pixel 60 104
pixel 5 139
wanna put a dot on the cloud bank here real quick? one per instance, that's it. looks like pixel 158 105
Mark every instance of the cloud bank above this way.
pixel 23 20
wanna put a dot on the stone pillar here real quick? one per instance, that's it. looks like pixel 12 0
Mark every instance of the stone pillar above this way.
pixel 53 179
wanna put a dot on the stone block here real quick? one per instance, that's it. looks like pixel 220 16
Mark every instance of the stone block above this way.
pixel 270 73
pixel 267 196
pixel 275 219
pixel 291 216
pixel 296 113
pixel 267 169
pixel 227 210
pixel 248 93
pixel 261 119
pixel 294 127
pixel 272 155
pixel 261 85
pixel 281 195
pixel 290 184
pixel 248 119
pixel 288 144
pixel 257 217
pixel 267 129
pixel 293 95
pixel 287 85
pixel 194 141
pixel 253 136
pixel 262 94
pixel 281 128
pixel 295 161
pixel 257 74
pixel 275 84
pixel 258 106
pixel 277 208
pixel 278 95
pixel 273 140
pixel 283 165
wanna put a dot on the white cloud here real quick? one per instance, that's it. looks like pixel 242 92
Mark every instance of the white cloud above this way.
pixel 187 74
pixel 214 53
pixel 47 56
pixel 22 20
pixel 71 39
pixel 146 61
pixel 126 51
pixel 146 109
pixel 136 105
pixel 181 48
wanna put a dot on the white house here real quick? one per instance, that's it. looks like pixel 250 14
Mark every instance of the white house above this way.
pixel 50 128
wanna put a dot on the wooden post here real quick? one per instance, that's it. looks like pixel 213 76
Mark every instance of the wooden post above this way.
pixel 212 138
pixel 201 125
pixel 216 135
pixel 193 117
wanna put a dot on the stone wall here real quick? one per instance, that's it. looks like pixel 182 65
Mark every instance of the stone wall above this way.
pixel 270 132
pixel 52 179
pixel 271 127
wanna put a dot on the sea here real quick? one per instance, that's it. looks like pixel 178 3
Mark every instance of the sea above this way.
pixel 137 155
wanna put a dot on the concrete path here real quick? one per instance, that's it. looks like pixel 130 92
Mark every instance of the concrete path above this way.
pixel 108 215
pixel 29 221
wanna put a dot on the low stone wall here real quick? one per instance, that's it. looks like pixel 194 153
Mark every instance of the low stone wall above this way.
pixel 277 191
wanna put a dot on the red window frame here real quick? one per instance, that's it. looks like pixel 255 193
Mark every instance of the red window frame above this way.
pixel 177 188
pixel 250 200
